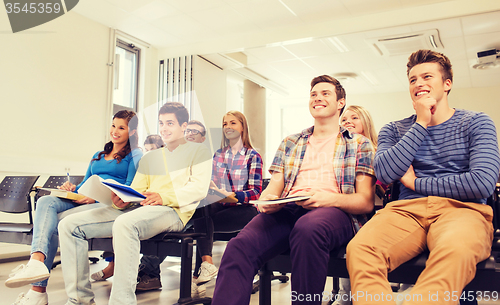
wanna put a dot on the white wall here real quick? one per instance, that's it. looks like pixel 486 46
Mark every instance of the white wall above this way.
pixel 210 84
pixel 388 107
pixel 234 94
pixel 54 90
pixel 384 108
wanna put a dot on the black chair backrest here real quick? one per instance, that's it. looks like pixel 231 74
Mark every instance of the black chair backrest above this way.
pixel 494 202
pixel 55 181
pixel 391 193
pixel 15 193
pixel 265 183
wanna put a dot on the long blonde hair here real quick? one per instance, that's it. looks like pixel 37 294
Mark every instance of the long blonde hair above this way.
pixel 245 137
pixel 366 121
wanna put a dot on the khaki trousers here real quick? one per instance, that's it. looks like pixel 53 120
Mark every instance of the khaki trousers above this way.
pixel 457 234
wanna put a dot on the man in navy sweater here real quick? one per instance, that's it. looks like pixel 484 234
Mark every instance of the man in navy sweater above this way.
pixel 448 162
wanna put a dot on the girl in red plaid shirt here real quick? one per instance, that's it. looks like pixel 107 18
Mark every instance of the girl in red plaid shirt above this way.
pixel 236 172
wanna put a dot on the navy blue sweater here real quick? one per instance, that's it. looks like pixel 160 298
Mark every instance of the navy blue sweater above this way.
pixel 457 159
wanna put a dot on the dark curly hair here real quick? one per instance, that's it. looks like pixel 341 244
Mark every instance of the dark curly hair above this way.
pixel 133 140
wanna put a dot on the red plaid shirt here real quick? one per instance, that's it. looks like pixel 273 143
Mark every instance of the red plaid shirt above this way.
pixel 240 173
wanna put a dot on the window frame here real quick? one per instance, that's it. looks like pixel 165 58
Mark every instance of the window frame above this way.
pixel 129 47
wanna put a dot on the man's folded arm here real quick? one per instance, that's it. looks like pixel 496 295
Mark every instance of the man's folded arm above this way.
pixel 479 182
pixel 393 158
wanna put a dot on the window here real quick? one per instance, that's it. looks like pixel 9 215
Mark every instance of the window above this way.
pixel 126 84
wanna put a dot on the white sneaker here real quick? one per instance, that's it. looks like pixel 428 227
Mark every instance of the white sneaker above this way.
pixel 98 276
pixel 198 291
pixel 32 298
pixel 207 272
pixel 33 272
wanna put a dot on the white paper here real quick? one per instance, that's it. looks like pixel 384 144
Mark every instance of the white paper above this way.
pixel 280 200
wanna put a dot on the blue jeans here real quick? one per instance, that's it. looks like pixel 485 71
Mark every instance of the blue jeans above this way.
pixel 128 228
pixel 45 238
pixel 150 265
pixel 49 211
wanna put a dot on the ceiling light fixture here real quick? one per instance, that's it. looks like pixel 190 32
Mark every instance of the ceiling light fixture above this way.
pixel 345 77
pixel 289 42
pixel 297 41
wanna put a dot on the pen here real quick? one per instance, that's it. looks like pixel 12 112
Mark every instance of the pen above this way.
pixel 67 174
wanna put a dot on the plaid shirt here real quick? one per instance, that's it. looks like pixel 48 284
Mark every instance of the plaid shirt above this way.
pixel 241 173
pixel 353 154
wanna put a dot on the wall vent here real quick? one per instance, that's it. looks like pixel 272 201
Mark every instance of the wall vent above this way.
pixel 405 44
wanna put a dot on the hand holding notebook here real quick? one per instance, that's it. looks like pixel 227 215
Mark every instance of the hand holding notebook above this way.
pixel 100 190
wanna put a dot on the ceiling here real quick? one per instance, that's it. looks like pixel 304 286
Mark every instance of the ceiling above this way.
pixel 293 62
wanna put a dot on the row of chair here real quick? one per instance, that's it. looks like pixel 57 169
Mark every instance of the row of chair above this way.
pixel 15 197
pixel 16 193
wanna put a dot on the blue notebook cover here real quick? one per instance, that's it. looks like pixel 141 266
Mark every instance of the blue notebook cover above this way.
pixel 125 188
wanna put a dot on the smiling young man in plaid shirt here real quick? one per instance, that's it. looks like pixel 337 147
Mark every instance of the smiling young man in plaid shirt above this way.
pixel 335 168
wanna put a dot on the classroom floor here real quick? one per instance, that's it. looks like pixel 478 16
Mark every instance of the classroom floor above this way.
pixel 167 295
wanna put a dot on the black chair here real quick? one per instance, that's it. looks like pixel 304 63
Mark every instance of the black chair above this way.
pixel 15 198
pixel 486 279
pixel 55 181
pixel 179 244
pixel 225 231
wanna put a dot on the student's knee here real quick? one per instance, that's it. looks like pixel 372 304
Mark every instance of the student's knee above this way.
pixel 45 203
pixel 357 247
pixel 305 234
pixel 62 226
pixel 42 201
pixel 69 225
pixel 239 244
pixel 455 254
pixel 123 225
pixel 351 249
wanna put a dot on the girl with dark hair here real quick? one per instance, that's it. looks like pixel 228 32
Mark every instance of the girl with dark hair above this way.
pixel 118 161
